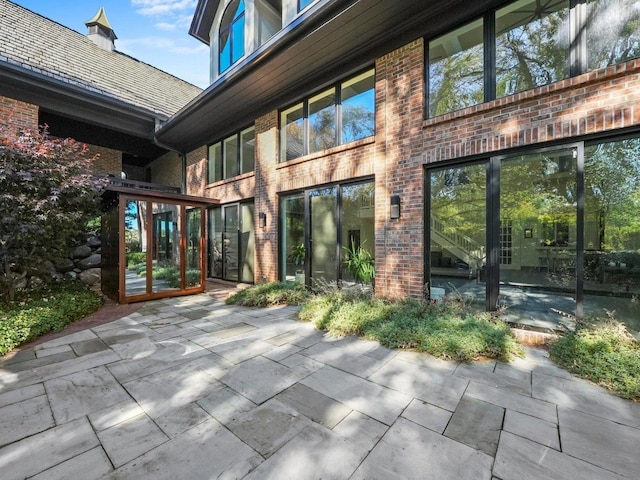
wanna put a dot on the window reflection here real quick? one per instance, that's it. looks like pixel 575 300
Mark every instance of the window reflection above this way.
pixel 231 37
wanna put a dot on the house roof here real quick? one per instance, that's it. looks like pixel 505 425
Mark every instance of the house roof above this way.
pixel 45 63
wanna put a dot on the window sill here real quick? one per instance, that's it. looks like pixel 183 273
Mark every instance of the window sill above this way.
pixel 237 178
pixel 325 153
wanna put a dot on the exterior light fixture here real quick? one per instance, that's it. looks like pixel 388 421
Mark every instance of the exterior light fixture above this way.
pixel 263 219
pixel 395 207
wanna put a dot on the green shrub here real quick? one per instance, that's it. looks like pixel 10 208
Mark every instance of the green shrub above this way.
pixel 193 277
pixel 607 355
pixel 445 331
pixel 272 293
pixel 171 275
pixel 136 258
pixel 37 312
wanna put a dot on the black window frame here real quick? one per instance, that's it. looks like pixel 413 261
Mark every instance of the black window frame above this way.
pixel 229 30
pixel 578 54
pixel 221 164
pixel 338 137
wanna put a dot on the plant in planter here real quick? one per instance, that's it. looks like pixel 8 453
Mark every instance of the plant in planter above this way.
pixel 297 255
pixel 360 263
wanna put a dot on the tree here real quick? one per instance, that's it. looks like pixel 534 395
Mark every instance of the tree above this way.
pixel 47 196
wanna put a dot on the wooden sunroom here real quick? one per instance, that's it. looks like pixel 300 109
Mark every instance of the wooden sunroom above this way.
pixel 153 244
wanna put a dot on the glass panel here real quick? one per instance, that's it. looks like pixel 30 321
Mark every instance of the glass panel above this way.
pixel 613 32
pixel 231 167
pixel 237 42
pixel 214 166
pixel 231 38
pixel 302 4
pixel 324 235
pixel 538 210
pixel 166 247
pixel 248 150
pixel 292 133
pixel 225 50
pixel 357 222
pixel 194 235
pixel 612 231
pixel 215 242
pixel 135 242
pixel 532 44
pixel 292 248
pixel 358 107
pixel 456 69
pixel 247 241
pixel 230 248
pixel 458 232
pixel 322 121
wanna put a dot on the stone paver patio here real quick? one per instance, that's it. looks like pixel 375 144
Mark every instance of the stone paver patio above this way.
pixel 191 388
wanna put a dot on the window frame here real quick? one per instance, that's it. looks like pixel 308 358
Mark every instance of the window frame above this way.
pixel 229 30
pixel 337 88
pixel 221 162
pixel 578 54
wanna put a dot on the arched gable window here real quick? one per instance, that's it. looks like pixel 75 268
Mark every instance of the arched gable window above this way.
pixel 231 39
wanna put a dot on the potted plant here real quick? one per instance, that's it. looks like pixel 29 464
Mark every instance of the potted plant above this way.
pixel 297 255
pixel 360 264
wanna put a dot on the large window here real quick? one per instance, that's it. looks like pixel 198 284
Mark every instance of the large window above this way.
pixel 232 156
pixel 340 114
pixel 302 4
pixel 231 37
pixel 318 226
pixel 533 43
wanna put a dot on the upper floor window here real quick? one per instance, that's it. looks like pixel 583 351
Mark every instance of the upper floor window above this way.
pixel 302 4
pixel 232 156
pixel 231 36
pixel 343 113
pixel 533 43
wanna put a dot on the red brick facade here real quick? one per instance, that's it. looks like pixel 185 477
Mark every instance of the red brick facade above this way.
pixel 21 113
pixel 594 103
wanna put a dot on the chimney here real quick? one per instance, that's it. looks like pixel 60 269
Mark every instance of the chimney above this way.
pixel 100 31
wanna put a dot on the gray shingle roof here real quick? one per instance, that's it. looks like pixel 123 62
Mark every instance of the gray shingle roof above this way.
pixel 36 43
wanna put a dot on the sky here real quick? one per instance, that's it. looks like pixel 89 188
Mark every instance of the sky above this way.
pixel 153 31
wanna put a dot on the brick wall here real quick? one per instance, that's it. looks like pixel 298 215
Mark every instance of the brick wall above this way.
pixel 107 162
pixel 167 170
pixel 21 113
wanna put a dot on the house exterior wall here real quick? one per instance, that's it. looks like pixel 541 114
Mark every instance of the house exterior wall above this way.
pixel 21 113
pixel 167 170
pixel 599 102
pixel 108 161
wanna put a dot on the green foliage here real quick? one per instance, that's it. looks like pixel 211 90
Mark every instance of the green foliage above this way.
pixel 136 258
pixel 272 293
pixel 360 263
pixel 49 309
pixel 193 277
pixel 607 355
pixel 169 274
pixel 445 331
pixel 298 253
pixel 47 197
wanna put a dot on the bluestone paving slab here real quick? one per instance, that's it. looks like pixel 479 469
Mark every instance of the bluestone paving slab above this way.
pixel 45 352
pixel 40 452
pixel 280 353
pixel 224 404
pixel 25 418
pixel 302 365
pixel 180 419
pixel 259 378
pixel 315 453
pixel 18 357
pixel 135 349
pixel 60 369
pixel 233 330
pixel 115 414
pixel 514 401
pixel 522 459
pixel 344 356
pixel 361 430
pixel 268 427
pixel 130 439
pixel 309 338
pixel 476 424
pixel 409 451
pixel 314 405
pixel 205 451
pixel 427 415
pixel 283 338
pixel 517 381
pixel 88 346
pixel 585 397
pixel 240 350
pixel 582 436
pixel 90 465
pixel 426 361
pixel 438 388
pixel 68 339
pixel 81 393
pixel 38 362
pixel 20 394
pixel 379 402
pixel 544 433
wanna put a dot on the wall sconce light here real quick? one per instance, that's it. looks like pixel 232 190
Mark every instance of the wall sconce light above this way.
pixel 528 233
pixel 395 207
pixel 262 217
